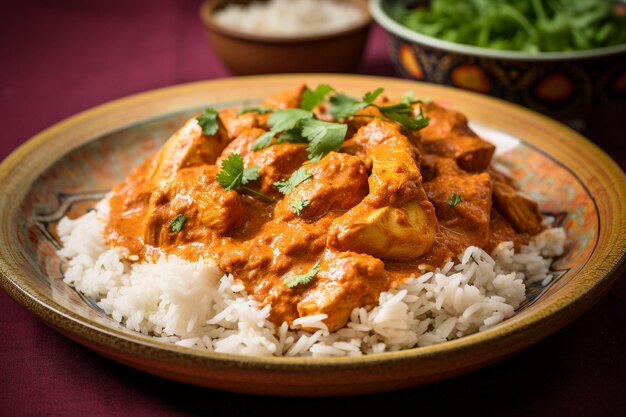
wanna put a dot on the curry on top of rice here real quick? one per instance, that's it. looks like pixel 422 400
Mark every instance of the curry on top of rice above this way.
pixel 316 201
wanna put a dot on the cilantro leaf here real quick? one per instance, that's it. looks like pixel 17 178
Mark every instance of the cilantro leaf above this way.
pixel 312 98
pixel 250 174
pixel 208 121
pixel 342 105
pixel 370 96
pixel 408 121
pixel 303 279
pixel 291 136
pixel 263 141
pixel 298 205
pixel 300 175
pixel 176 224
pixel 287 119
pixel 454 200
pixel 323 137
pixel 233 175
pixel 259 110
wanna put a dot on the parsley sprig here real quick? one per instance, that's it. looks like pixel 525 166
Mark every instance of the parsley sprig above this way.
pixel 303 279
pixel 342 106
pixel 313 98
pixel 233 175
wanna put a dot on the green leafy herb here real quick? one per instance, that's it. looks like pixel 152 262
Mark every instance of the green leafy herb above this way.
pixel 454 200
pixel 208 121
pixel 291 136
pixel 263 141
pixel 300 175
pixel 259 110
pixel 312 98
pixel 370 96
pixel 233 175
pixel 517 25
pixel 298 205
pixel 176 224
pixel 342 106
pixel 303 279
pixel 324 137
pixel 285 120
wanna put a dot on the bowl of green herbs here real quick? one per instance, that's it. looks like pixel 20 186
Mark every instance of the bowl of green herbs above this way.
pixel 560 57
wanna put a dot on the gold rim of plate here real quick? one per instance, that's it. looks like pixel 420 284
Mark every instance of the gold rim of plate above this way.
pixel 597 171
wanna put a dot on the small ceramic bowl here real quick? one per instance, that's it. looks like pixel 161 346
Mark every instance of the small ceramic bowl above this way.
pixel 564 85
pixel 246 53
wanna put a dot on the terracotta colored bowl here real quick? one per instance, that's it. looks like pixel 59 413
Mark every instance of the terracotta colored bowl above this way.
pixel 245 53
pixel 564 85
pixel 66 168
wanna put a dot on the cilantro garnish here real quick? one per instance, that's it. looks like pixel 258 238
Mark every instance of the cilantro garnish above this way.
pixel 233 175
pixel 324 137
pixel 454 200
pixel 342 106
pixel 176 224
pixel 281 121
pixel 312 98
pixel 298 205
pixel 259 110
pixel 300 175
pixel 208 121
pixel 303 279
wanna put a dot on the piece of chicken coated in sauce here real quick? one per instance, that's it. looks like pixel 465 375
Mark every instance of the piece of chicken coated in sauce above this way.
pixel 186 148
pixel 395 220
pixel 346 280
pixel 464 221
pixel 338 182
pixel 209 209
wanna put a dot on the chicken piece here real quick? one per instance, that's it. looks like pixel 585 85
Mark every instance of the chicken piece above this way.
pixel 187 147
pixel 242 144
pixel 467 222
pixel 196 194
pixel 346 280
pixel 236 124
pixel 395 220
pixel 338 182
pixel 277 162
pixel 523 213
pixel 288 99
pixel 449 135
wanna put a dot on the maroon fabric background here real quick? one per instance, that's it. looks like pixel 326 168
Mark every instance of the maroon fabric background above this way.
pixel 60 57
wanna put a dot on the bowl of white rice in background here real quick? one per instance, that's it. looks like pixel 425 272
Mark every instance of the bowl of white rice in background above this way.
pixel 189 322
pixel 281 36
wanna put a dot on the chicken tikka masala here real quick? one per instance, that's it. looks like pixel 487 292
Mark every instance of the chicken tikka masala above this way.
pixel 317 201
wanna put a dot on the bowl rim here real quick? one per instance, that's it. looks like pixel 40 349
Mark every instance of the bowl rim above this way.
pixel 207 8
pixel 564 308
pixel 382 18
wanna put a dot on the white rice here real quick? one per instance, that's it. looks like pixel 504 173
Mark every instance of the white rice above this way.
pixel 193 304
pixel 290 17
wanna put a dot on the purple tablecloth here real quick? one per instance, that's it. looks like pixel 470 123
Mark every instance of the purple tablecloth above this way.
pixel 61 57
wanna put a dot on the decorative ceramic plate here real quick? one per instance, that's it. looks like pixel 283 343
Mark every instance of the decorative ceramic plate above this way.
pixel 68 167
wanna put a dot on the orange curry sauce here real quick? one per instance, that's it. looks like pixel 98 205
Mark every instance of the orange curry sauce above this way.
pixel 381 209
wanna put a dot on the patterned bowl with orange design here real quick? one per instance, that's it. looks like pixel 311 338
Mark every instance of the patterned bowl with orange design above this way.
pixel 564 85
